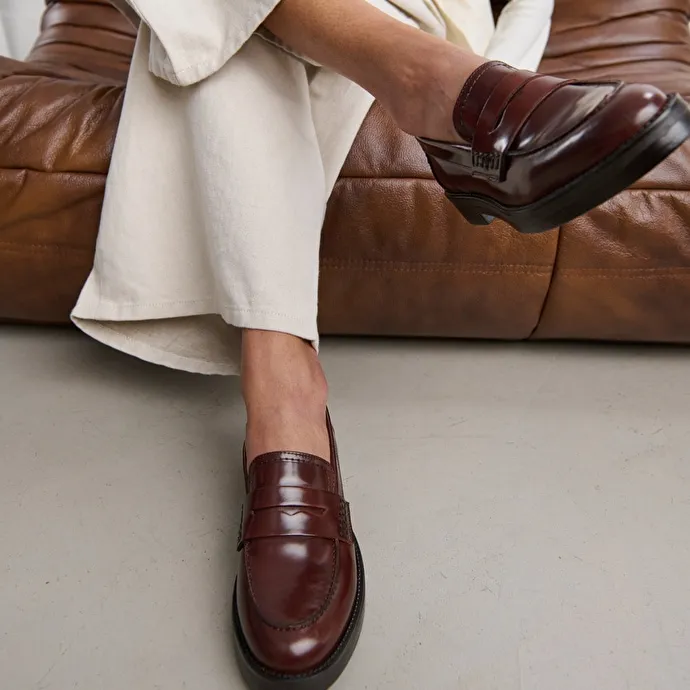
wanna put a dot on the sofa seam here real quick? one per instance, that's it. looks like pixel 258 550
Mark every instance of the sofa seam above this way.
pixel 618 275
pixel 449 270
pixel 549 288
pixel 406 267
pixel 344 263
pixel 27 168
pixel 385 178
pixel 42 248
pixel 417 178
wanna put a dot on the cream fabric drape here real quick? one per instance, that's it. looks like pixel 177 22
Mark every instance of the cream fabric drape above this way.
pixel 227 151
pixel 521 34
pixel 217 191
pixel 19 21
pixel 4 45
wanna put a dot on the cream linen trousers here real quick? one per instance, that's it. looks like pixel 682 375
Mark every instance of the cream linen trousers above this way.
pixel 227 151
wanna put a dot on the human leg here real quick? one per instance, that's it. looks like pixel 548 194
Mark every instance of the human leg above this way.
pixel 351 36
pixel 214 206
pixel 209 246
pixel 285 393
pixel 415 75
pixel 223 228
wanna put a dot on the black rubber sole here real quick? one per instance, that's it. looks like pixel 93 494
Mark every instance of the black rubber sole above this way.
pixel 658 140
pixel 258 677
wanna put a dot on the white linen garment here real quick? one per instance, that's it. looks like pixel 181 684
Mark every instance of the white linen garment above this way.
pixel 521 34
pixel 226 154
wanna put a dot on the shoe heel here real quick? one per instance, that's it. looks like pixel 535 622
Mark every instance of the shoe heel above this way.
pixel 472 213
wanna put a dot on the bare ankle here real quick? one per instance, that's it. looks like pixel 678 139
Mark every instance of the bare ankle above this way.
pixel 285 393
pixel 424 94
pixel 278 368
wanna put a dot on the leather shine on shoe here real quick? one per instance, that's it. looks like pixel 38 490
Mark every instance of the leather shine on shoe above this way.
pixel 299 595
pixel 542 151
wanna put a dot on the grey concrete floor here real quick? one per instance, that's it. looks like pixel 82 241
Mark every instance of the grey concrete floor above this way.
pixel 524 513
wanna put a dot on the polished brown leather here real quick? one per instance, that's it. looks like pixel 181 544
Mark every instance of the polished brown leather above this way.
pixel 298 576
pixel 396 258
pixel 528 135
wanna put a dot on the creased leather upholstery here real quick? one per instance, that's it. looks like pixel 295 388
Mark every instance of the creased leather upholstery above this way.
pixel 396 257
pixel 623 271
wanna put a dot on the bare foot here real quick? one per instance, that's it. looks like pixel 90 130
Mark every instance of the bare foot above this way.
pixel 286 393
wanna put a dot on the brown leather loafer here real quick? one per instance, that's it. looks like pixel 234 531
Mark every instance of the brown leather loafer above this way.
pixel 542 150
pixel 299 596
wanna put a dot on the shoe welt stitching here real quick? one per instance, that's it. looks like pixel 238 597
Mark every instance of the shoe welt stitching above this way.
pixel 345 638
pixel 315 616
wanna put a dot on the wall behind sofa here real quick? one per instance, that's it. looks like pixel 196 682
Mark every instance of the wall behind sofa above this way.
pixel 19 20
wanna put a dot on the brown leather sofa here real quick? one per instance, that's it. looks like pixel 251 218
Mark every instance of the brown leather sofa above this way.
pixel 396 258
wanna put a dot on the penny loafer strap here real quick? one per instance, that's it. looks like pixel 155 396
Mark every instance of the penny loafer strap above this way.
pixel 510 105
pixel 290 511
